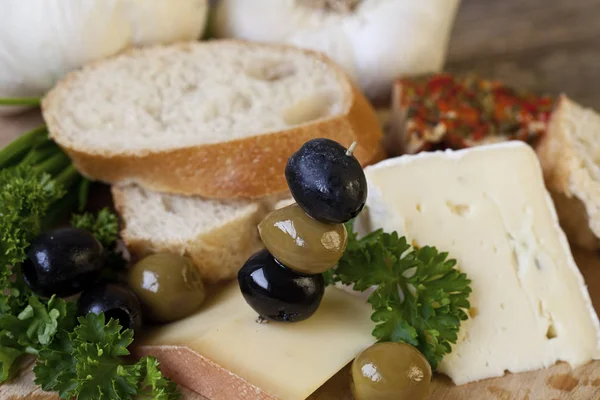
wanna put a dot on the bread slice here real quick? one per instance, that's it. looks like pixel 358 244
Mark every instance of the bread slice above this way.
pixel 217 235
pixel 217 119
pixel 570 157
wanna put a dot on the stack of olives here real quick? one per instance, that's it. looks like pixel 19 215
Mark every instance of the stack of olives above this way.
pixel 284 282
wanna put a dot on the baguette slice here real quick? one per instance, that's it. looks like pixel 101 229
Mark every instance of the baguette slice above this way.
pixel 217 119
pixel 569 155
pixel 217 235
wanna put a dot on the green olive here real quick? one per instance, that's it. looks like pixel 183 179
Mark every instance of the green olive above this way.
pixel 391 371
pixel 302 243
pixel 169 286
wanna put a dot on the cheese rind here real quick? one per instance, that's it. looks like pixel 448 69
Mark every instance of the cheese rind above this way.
pixel 488 208
pixel 287 361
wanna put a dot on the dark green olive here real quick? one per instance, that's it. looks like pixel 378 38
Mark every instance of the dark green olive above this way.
pixel 169 286
pixel 391 371
pixel 302 243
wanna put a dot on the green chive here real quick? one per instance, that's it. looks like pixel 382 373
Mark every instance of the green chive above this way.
pixel 84 190
pixel 19 147
pixel 55 163
pixel 21 101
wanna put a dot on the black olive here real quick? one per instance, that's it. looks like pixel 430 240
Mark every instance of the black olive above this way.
pixel 63 261
pixel 278 293
pixel 115 301
pixel 327 182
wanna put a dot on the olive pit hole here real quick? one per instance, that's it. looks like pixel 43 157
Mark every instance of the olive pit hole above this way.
pixel 29 273
pixel 118 315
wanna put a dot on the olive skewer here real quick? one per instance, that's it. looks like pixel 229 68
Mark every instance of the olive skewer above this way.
pixel 284 282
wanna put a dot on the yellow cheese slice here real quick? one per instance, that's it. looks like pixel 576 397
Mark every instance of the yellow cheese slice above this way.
pixel 288 361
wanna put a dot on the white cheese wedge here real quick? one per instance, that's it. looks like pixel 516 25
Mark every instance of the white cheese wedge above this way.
pixel 489 209
pixel 261 361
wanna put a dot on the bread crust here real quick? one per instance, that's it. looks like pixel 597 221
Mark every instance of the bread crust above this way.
pixel 574 190
pixel 217 254
pixel 184 366
pixel 252 167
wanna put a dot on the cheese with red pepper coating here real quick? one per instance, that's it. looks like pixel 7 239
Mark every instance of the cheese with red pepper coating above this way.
pixel 443 111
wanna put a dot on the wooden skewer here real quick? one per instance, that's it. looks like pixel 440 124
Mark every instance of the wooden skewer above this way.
pixel 351 149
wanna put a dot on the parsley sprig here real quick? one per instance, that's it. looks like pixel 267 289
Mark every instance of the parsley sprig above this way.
pixel 85 358
pixel 420 298
pixel 35 176
pixel 32 329
pixel 104 226
pixel 88 363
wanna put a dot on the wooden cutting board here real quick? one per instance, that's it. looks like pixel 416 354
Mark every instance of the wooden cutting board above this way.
pixel 556 383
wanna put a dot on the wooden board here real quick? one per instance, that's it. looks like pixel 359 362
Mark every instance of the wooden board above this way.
pixel 556 383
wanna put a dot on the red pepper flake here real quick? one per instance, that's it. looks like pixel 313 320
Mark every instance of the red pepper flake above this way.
pixel 470 111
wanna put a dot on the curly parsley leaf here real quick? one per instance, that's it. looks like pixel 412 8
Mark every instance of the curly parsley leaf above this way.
pixel 88 363
pixel 44 319
pixel 34 327
pixel 104 226
pixel 26 323
pixel 8 359
pixel 419 296
pixel 26 194
pixel 153 385
pixel 56 366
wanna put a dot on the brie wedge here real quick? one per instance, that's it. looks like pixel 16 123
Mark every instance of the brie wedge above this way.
pixel 488 207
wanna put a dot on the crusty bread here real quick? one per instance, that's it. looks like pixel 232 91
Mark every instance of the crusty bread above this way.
pixel 217 119
pixel 569 157
pixel 218 235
